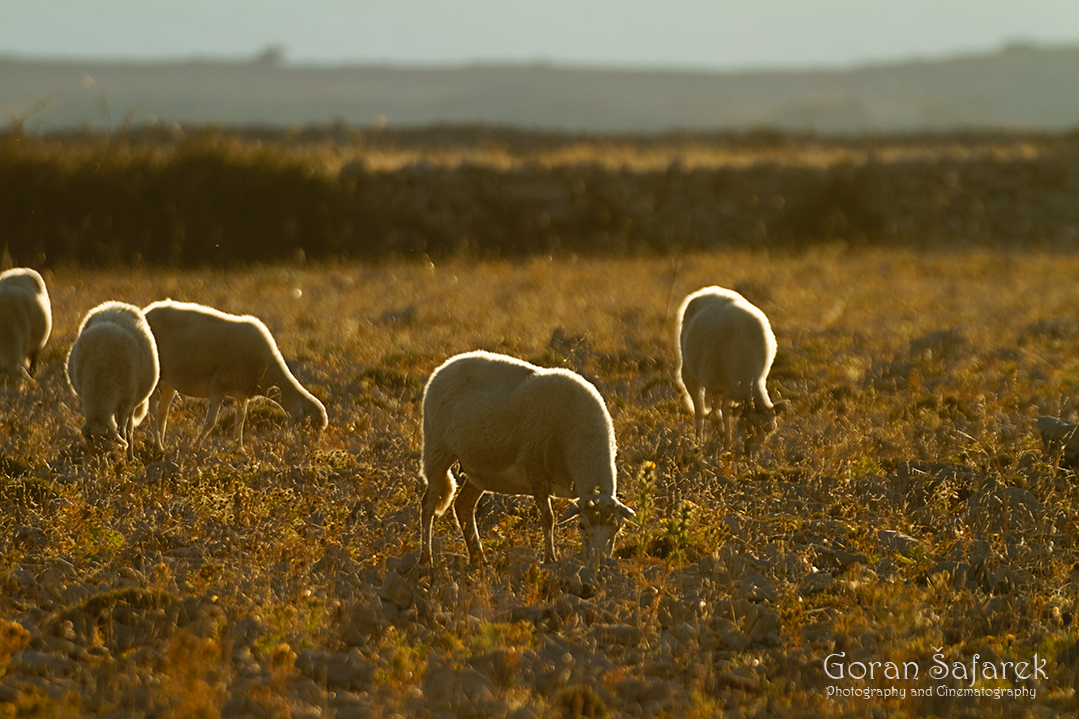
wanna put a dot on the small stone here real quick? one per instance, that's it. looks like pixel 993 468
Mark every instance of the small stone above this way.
pixel 897 542
pixel 29 539
pixel 817 583
pixel 756 588
pixel 762 626
pixel 364 623
pixel 336 669
pixel 396 592
pixel 623 635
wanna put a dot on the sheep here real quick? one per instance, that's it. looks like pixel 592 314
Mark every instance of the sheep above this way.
pixel 112 368
pixel 25 323
pixel 725 351
pixel 208 353
pixel 515 428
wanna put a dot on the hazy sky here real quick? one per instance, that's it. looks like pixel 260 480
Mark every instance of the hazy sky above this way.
pixel 715 34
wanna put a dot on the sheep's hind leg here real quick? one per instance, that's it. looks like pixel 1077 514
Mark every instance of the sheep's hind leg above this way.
pixel 464 507
pixel 437 495
pixel 696 399
pixel 129 431
pixel 160 401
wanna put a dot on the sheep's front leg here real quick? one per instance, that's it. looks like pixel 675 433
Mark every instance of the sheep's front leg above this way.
pixel 717 412
pixel 211 418
pixel 728 423
pixel 464 507
pixel 241 417
pixel 546 515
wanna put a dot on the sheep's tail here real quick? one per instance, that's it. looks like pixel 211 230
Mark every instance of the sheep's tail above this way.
pixel 440 485
pixel 446 489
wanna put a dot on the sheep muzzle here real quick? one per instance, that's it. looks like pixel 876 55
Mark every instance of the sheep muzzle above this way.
pixel 101 441
pixel 15 376
pixel 601 518
pixel 755 424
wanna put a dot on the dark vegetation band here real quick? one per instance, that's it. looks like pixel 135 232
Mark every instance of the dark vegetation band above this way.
pixel 213 197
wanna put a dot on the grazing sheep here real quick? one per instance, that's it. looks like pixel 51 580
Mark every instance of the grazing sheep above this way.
pixel 515 428
pixel 208 353
pixel 725 350
pixel 112 367
pixel 25 323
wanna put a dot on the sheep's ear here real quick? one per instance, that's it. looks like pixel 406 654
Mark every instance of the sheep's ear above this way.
pixel 625 512
pixel 780 407
pixel 571 511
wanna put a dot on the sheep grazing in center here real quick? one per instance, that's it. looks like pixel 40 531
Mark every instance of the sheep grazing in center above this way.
pixel 25 323
pixel 725 351
pixel 112 367
pixel 208 353
pixel 515 428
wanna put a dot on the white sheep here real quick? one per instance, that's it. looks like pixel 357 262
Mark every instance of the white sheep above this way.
pixel 25 323
pixel 725 351
pixel 208 353
pixel 515 428
pixel 112 368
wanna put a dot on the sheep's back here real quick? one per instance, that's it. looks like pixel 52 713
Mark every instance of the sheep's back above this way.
pixel 728 345
pixel 474 394
pixel 15 322
pixel 25 318
pixel 493 412
pixel 129 320
pixel 25 280
pixel 106 366
pixel 196 347
pixel 707 298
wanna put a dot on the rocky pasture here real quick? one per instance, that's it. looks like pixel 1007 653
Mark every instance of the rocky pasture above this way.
pixel 906 511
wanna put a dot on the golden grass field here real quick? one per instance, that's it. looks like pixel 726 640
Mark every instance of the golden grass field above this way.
pixel 282 580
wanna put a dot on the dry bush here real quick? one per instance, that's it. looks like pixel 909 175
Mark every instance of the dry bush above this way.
pixel 207 197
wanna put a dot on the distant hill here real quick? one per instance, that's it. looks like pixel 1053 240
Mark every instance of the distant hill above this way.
pixel 1019 87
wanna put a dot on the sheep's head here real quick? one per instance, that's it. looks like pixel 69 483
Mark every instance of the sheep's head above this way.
pixel 756 423
pixel 601 517
pixel 309 411
pixel 102 436
pixel 14 374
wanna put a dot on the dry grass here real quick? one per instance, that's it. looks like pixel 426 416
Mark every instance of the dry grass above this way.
pixel 282 580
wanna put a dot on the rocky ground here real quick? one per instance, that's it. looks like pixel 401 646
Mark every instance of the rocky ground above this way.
pixel 905 512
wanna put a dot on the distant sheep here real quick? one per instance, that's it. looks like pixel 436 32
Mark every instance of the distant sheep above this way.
pixel 112 367
pixel 725 351
pixel 515 428
pixel 208 353
pixel 25 323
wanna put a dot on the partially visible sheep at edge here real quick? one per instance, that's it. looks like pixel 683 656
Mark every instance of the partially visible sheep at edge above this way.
pixel 515 428
pixel 112 368
pixel 208 353
pixel 725 351
pixel 25 323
